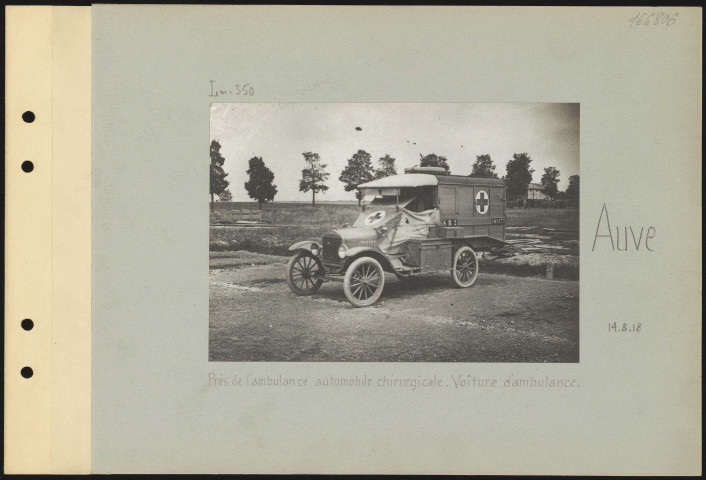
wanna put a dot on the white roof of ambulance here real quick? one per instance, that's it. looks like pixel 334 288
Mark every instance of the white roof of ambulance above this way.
pixel 402 181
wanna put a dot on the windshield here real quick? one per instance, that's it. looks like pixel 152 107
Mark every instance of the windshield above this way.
pixel 416 199
pixel 387 201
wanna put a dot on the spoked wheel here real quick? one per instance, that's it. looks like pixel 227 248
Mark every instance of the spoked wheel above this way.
pixel 465 268
pixel 304 272
pixel 363 282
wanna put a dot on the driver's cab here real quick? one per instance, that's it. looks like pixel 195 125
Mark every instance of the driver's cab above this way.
pixel 414 199
pixel 400 208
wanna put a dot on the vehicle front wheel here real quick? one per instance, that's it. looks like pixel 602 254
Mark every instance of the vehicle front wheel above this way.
pixel 465 267
pixel 363 282
pixel 303 273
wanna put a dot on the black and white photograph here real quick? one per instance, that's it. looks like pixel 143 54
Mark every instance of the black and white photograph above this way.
pixel 394 269
pixel 394 232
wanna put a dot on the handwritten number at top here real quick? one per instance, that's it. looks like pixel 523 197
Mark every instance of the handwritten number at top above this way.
pixel 644 19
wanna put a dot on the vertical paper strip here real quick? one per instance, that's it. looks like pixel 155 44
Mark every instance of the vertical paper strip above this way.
pixel 71 356
pixel 28 239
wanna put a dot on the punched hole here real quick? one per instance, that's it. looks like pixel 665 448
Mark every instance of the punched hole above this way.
pixel 27 324
pixel 27 166
pixel 26 372
pixel 28 116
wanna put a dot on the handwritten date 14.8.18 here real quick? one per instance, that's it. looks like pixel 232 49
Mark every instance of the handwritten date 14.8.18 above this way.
pixel 238 89
pixel 624 328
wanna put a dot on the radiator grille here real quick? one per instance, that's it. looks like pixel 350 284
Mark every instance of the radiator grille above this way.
pixel 330 253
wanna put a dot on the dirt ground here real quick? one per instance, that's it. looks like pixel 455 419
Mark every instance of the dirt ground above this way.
pixel 254 316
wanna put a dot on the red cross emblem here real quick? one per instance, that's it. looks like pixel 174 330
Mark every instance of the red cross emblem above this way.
pixel 375 217
pixel 482 202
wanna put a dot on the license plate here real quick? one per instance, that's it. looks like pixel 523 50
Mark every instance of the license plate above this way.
pixel 497 221
pixel 449 223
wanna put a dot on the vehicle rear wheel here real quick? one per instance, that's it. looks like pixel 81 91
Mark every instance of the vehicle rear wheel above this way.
pixel 465 267
pixel 363 282
pixel 303 273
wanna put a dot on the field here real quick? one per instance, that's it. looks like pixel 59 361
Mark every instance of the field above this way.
pixel 334 214
pixel 304 222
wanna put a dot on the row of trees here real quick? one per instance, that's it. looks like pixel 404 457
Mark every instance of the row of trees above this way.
pixel 260 185
pixel 518 176
pixel 359 169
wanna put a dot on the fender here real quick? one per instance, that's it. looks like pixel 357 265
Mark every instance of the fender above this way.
pixel 375 253
pixel 483 242
pixel 353 252
pixel 305 245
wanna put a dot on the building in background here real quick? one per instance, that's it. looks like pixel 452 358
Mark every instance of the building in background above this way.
pixel 534 192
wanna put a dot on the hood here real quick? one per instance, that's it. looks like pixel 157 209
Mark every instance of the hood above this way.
pixel 403 225
pixel 356 237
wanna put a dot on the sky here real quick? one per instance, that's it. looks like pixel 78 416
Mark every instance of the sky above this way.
pixel 281 133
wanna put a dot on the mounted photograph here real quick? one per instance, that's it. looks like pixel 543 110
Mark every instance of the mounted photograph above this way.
pixel 394 232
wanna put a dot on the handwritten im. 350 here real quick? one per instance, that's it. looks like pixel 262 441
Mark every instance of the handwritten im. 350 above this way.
pixel 245 90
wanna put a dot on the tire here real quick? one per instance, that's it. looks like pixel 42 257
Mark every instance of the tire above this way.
pixel 465 267
pixel 303 271
pixel 363 282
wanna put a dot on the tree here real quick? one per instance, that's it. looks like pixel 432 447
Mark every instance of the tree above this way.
pixel 226 196
pixel 260 186
pixel 550 180
pixel 483 168
pixel 519 175
pixel 218 176
pixel 387 167
pixel 358 170
pixel 313 176
pixel 433 160
pixel 572 191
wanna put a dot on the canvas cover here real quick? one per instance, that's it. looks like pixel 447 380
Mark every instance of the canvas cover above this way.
pixel 402 225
